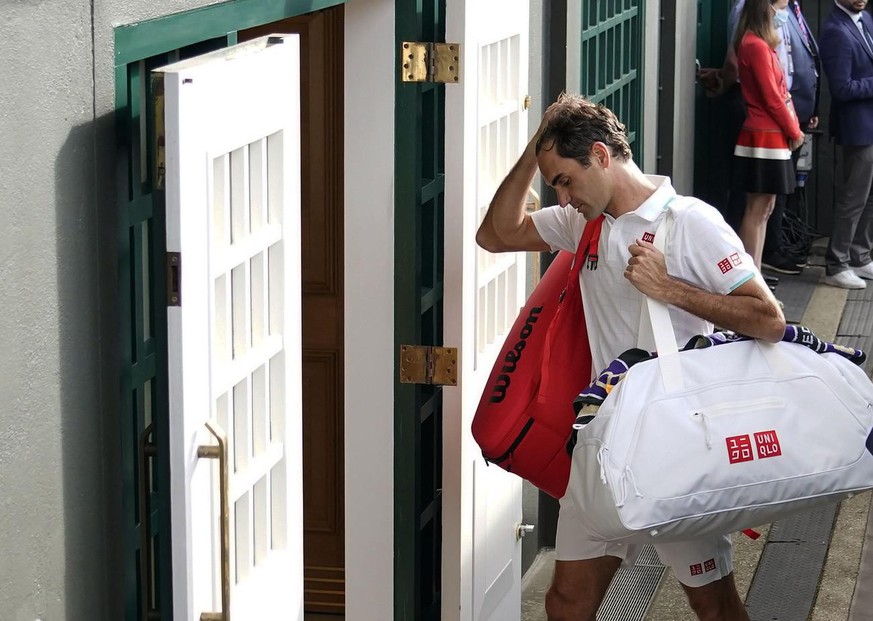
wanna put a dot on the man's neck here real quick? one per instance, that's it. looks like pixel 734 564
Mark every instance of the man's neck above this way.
pixel 853 14
pixel 632 189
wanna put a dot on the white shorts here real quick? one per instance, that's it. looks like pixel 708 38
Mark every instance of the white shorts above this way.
pixel 695 562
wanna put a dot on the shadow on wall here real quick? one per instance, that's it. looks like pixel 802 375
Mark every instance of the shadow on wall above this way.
pixel 86 235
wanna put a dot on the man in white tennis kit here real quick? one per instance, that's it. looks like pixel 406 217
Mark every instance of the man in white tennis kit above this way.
pixel 581 150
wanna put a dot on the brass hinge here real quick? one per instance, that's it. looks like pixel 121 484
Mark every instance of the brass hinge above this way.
pixel 423 364
pixel 430 62
pixel 160 132
pixel 174 279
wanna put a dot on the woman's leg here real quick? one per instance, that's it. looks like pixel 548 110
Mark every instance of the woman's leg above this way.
pixel 754 226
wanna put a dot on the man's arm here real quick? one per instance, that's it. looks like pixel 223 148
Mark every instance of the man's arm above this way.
pixel 506 227
pixel 836 53
pixel 750 309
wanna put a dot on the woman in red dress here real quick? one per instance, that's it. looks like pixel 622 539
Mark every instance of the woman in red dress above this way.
pixel 762 157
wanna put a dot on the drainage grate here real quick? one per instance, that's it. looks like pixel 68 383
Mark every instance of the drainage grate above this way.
pixel 632 589
pixel 796 548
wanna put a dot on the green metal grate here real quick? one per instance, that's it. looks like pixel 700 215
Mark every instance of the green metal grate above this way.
pixel 613 37
pixel 419 235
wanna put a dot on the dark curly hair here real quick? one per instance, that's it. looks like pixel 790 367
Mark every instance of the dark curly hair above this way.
pixel 576 124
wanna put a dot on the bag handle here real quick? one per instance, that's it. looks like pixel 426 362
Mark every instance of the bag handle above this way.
pixel 665 337
pixel 662 326
pixel 590 239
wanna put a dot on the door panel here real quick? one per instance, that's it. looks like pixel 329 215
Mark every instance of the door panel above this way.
pixel 321 41
pixel 233 205
pixel 485 305
pixel 502 135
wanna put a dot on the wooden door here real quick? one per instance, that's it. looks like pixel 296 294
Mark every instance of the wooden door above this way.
pixel 234 374
pixel 321 40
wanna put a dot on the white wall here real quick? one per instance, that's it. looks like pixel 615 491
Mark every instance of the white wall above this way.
pixel 369 307
pixel 59 384
pixel 52 538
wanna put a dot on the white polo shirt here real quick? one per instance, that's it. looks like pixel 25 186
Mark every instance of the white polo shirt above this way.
pixel 702 250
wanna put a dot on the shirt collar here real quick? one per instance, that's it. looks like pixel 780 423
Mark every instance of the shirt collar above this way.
pixel 856 17
pixel 653 206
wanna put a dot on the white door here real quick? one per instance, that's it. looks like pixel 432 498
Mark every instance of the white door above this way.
pixel 233 215
pixel 488 290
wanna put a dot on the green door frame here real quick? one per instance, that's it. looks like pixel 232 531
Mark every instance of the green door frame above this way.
pixel 143 406
pixel 418 314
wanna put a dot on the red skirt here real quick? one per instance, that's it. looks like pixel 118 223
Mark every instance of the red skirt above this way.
pixel 762 163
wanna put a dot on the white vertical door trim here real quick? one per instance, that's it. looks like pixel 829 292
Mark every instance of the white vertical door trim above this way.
pixel 651 80
pixel 685 51
pixel 459 320
pixel 370 71
pixel 573 75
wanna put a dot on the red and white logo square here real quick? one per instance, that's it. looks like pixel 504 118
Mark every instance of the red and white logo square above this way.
pixel 768 444
pixel 739 449
pixel 648 237
pixel 696 569
pixel 725 266
pixel 735 258
pixel 709 565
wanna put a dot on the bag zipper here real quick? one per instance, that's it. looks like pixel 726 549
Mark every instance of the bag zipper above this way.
pixel 753 405
pixel 512 447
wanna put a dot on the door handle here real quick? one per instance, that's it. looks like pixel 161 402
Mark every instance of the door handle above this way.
pixel 219 452
pixel 521 530
pixel 147 451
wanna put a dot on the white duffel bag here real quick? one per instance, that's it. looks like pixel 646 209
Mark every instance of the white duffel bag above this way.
pixel 758 431
pixel 716 440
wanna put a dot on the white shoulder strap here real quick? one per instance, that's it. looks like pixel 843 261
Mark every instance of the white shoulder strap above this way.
pixel 661 325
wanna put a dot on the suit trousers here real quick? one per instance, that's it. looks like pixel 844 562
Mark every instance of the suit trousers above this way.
pixel 852 229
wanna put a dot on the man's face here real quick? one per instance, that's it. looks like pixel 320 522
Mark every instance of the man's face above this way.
pixel 855 6
pixel 585 189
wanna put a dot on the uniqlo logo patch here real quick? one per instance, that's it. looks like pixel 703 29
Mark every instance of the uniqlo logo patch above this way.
pixel 739 449
pixel 725 266
pixel 768 444
pixel 696 569
pixel 735 258
pixel 648 237
pixel 709 565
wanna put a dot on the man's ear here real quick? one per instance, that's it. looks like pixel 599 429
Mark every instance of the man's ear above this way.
pixel 600 152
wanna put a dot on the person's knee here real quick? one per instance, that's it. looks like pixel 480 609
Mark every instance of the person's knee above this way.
pixel 567 605
pixel 717 601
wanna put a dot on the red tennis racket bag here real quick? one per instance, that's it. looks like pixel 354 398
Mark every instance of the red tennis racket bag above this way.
pixel 525 415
